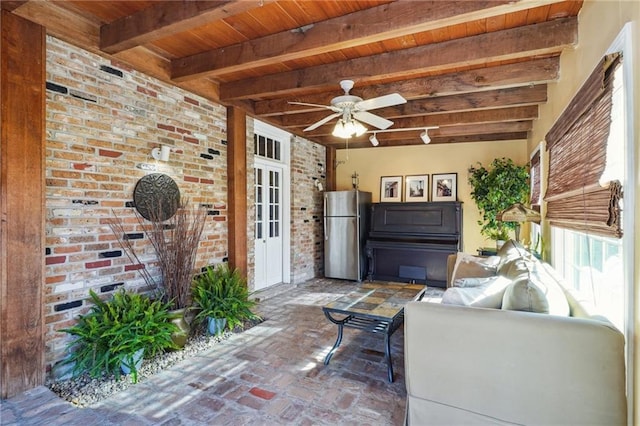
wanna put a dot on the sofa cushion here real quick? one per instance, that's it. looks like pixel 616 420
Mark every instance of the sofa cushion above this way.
pixel 533 289
pixel 473 281
pixel 477 292
pixel 509 265
pixel 468 265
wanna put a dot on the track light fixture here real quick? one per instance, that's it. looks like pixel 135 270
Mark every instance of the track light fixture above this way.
pixel 425 137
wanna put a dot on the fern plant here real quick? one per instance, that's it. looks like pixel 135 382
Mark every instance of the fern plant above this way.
pixel 112 331
pixel 222 293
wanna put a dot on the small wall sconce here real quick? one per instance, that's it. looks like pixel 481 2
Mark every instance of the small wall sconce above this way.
pixel 425 137
pixel 161 153
pixel 318 185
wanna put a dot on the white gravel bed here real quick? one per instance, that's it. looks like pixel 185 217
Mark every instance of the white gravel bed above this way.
pixel 83 391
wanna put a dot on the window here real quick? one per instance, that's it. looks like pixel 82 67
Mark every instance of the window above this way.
pixel 592 266
pixel 266 147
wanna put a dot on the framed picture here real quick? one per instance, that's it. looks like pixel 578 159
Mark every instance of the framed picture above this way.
pixel 416 188
pixel 390 188
pixel 444 187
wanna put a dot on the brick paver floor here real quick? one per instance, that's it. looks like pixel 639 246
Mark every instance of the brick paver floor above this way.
pixel 271 374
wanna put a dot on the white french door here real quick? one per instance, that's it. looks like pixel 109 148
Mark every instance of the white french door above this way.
pixel 268 225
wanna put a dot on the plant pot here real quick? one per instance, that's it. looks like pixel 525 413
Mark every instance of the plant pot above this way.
pixel 132 362
pixel 180 337
pixel 499 244
pixel 216 326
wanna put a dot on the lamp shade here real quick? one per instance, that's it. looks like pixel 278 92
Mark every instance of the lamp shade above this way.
pixel 518 213
pixel 340 131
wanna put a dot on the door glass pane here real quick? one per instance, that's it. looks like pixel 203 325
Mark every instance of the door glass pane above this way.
pixel 258 205
pixel 270 148
pixel 277 153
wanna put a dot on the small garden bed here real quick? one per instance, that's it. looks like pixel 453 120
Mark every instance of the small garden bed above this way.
pixel 84 390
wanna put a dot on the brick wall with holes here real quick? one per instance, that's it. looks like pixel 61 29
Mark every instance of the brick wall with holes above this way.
pixel 307 171
pixel 103 120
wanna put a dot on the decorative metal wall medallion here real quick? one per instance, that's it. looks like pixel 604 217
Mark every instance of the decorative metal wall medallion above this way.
pixel 156 195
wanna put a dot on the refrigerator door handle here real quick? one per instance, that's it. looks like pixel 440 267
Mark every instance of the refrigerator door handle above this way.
pixel 324 217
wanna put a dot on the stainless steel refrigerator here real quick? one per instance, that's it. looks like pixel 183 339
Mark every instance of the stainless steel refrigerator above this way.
pixel 346 223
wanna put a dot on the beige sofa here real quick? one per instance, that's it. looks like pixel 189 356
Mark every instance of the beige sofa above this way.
pixel 489 365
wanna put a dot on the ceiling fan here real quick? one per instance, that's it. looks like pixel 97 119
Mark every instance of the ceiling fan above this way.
pixel 353 109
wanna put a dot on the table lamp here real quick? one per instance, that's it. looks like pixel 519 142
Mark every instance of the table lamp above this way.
pixel 518 213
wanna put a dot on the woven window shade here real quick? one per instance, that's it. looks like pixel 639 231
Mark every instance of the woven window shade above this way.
pixel 577 145
pixel 535 171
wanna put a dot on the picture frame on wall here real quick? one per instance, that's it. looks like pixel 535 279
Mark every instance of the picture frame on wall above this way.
pixel 416 188
pixel 390 189
pixel 444 187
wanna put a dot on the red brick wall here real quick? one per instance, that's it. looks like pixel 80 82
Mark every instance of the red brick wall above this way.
pixel 307 167
pixel 102 122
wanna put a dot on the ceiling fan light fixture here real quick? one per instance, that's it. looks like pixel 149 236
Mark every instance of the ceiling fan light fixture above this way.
pixel 359 129
pixel 340 131
pixel 374 140
pixel 425 137
pixel 347 129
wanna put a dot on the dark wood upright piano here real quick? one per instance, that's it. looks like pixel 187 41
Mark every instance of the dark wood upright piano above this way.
pixel 410 242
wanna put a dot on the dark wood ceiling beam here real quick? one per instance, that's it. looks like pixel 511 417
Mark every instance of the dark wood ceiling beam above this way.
pixel 62 23
pixel 503 76
pixel 85 33
pixel 406 139
pixel 471 117
pixel 164 19
pixel 531 40
pixel 372 25
pixel 11 5
pixel 479 129
pixel 512 97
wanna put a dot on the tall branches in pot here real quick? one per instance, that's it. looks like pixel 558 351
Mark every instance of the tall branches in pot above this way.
pixel 175 240
pixel 176 243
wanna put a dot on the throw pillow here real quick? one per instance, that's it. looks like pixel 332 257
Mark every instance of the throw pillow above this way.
pixel 472 282
pixel 534 290
pixel 487 295
pixel 468 265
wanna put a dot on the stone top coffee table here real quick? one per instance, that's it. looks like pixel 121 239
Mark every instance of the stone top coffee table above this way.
pixel 376 307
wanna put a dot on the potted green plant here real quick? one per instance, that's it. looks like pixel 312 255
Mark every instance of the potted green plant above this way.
pixel 115 333
pixel 495 188
pixel 174 231
pixel 221 298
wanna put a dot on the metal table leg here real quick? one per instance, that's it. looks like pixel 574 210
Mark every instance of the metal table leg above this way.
pixel 387 353
pixel 340 324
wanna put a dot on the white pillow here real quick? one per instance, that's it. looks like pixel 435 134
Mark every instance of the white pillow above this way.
pixel 535 290
pixel 468 265
pixel 472 281
pixel 487 295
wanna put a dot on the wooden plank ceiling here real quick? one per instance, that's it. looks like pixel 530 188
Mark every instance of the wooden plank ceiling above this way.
pixel 470 70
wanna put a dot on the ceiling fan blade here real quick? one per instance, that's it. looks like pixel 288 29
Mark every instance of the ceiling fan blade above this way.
pixel 372 119
pixel 311 105
pixel 380 102
pixel 321 122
